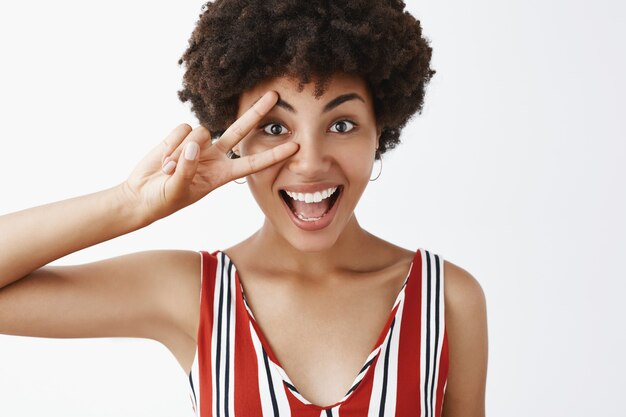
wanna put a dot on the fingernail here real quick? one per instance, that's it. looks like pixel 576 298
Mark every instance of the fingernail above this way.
pixel 191 150
pixel 169 167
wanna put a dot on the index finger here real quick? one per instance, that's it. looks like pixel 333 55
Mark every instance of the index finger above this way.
pixel 242 126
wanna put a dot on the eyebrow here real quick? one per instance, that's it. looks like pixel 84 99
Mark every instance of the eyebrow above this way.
pixel 328 107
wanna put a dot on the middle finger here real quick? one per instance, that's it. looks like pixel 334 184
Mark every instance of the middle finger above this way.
pixel 242 126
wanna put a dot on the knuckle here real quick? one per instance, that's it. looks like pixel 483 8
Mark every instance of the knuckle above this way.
pixel 238 130
pixel 253 162
pixel 256 111
pixel 220 146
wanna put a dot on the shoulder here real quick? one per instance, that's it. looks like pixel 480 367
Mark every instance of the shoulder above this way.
pixel 466 328
pixel 465 303
pixel 463 292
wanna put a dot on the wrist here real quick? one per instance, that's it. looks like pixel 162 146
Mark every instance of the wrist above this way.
pixel 131 206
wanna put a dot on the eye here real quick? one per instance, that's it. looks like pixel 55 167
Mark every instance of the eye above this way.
pixel 274 129
pixel 342 127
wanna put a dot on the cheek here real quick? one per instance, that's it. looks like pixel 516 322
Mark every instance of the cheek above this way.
pixel 357 161
pixel 260 183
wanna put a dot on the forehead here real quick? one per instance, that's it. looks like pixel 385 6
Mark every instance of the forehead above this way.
pixel 287 88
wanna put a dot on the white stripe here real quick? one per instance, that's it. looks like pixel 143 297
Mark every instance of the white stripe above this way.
pixel 195 371
pixel 377 383
pixel 392 377
pixel 439 341
pixel 280 390
pixel 423 359
pixel 433 361
pixel 231 364
pixel 333 412
pixel 201 272
pixel 433 342
pixel 195 376
pixel 277 382
pixel 392 370
pixel 222 372
pixel 216 293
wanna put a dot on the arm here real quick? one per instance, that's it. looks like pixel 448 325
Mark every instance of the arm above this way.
pixel 466 324
pixel 152 294
pixel 36 236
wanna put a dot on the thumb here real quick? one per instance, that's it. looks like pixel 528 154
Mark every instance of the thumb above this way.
pixel 185 170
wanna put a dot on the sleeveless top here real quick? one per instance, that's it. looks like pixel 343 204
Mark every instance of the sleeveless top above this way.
pixel 235 373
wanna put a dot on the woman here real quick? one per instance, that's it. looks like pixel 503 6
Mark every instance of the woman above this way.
pixel 310 315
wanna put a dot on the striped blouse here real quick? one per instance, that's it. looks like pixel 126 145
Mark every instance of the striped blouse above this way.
pixel 235 373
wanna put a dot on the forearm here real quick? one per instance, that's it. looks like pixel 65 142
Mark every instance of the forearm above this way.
pixel 34 237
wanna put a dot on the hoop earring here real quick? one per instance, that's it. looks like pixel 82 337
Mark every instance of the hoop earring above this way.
pixel 245 181
pixel 379 172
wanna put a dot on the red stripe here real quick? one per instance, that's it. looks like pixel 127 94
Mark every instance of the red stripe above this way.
pixel 247 398
pixel 209 265
pixel 409 395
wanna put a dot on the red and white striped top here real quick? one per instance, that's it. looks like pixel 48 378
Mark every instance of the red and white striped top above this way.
pixel 235 373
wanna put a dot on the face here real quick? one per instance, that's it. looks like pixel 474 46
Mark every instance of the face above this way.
pixel 309 198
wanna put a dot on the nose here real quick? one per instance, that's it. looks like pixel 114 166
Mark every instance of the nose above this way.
pixel 312 160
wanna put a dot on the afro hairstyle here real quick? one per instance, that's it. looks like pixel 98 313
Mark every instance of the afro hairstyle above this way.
pixel 238 43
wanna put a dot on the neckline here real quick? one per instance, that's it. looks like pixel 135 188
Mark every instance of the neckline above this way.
pixel 380 342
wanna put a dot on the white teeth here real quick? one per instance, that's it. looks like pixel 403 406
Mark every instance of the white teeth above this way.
pixel 312 197
pixel 307 219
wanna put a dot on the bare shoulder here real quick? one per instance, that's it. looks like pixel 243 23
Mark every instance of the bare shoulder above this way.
pixel 466 328
pixel 462 290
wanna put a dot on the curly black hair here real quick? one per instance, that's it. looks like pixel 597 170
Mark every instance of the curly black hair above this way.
pixel 238 43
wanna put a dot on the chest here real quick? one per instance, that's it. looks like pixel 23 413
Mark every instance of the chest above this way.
pixel 322 332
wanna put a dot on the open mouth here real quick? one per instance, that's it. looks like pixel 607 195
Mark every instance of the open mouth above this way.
pixel 311 207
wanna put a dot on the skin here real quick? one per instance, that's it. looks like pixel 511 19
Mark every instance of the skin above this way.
pixel 342 270
pixel 338 283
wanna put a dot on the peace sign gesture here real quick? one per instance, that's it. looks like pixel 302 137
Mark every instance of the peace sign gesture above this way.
pixel 186 166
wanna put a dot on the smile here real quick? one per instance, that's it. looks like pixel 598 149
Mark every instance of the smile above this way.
pixel 309 208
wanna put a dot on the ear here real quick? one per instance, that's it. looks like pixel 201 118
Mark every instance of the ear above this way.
pixel 379 130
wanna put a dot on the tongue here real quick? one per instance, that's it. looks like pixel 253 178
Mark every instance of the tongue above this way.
pixel 310 210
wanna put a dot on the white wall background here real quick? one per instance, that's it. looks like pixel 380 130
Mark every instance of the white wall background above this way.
pixel 512 172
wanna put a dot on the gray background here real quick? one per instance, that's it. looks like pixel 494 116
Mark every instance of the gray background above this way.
pixel 512 172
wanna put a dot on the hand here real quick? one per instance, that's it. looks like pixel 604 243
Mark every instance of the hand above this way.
pixel 165 181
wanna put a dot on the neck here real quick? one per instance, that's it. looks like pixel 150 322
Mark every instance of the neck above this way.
pixel 344 255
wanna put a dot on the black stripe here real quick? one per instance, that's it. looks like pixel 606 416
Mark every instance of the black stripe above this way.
pixel 432 386
pixel 363 369
pixel 329 412
pixel 383 395
pixel 219 339
pixel 291 387
pixel 353 387
pixel 367 365
pixel 227 361
pixel 193 390
pixel 427 324
pixel 269 381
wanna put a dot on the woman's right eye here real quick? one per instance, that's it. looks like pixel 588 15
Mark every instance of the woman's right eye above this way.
pixel 275 129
